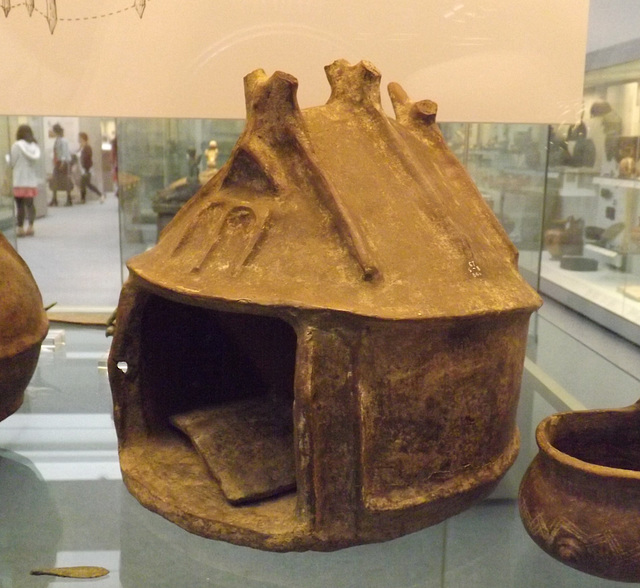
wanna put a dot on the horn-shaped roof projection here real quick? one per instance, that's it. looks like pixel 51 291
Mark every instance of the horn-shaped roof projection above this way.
pixel 339 207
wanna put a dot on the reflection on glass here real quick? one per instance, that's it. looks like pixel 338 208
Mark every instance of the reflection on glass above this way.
pixel 591 249
pixel 157 154
pixel 74 253
pixel 507 163
pixel 566 191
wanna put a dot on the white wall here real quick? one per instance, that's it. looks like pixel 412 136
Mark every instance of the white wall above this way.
pixel 612 22
pixel 480 60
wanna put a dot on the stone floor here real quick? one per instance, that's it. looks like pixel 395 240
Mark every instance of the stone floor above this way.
pixel 75 255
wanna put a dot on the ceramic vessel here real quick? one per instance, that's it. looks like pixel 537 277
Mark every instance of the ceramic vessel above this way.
pixel 23 326
pixel 326 345
pixel 564 237
pixel 580 498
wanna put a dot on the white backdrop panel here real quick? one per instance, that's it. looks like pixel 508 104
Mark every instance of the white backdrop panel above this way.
pixel 481 60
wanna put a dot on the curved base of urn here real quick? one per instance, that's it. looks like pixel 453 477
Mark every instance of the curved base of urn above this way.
pixel 15 374
pixel 151 469
pixel 580 497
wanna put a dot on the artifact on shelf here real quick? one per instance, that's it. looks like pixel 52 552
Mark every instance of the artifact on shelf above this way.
pixel 627 168
pixel 564 237
pixel 23 326
pixel 72 572
pixel 578 263
pixel 171 199
pixel 611 127
pixel 325 347
pixel 580 498
pixel 631 291
pixel 593 234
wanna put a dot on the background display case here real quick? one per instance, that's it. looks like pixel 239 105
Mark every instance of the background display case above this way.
pixel 577 228
pixel 592 203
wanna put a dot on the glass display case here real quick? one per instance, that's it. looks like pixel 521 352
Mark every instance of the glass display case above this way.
pixel 155 155
pixel 576 226
pixel 60 449
pixel 566 195
pixel 591 257
pixel 64 503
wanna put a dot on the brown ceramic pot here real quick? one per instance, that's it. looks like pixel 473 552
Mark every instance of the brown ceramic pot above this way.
pixel 23 326
pixel 580 497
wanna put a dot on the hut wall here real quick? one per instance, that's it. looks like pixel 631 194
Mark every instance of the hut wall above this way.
pixel 438 406
pixel 327 435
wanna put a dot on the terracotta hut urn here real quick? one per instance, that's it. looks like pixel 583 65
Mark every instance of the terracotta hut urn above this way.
pixel 580 498
pixel 326 345
pixel 23 326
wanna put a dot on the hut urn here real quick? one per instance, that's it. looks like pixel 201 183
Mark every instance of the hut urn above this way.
pixel 325 346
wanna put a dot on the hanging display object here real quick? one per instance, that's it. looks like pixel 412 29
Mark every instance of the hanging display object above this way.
pixel 23 326
pixel 579 498
pixel 50 10
pixel 326 345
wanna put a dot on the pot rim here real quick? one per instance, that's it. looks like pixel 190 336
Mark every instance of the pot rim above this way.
pixel 544 434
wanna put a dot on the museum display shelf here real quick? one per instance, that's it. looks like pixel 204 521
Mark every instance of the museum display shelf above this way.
pixel 592 292
pixel 64 503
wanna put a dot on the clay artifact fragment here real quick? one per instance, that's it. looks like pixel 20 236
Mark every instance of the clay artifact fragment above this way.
pixel 343 263
pixel 23 326
pixel 247 445
pixel 72 572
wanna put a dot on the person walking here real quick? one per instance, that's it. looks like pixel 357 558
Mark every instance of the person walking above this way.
pixel 25 153
pixel 61 166
pixel 85 158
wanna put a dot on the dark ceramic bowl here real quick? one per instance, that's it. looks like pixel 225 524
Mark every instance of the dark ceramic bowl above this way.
pixel 580 497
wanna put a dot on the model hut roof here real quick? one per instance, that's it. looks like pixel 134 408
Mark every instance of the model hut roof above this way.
pixel 339 207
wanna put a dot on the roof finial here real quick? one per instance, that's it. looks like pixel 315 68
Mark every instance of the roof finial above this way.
pixel 276 94
pixel 359 84
pixel 407 111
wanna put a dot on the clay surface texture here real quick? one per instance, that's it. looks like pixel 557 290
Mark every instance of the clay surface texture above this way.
pixel 325 347
pixel 23 326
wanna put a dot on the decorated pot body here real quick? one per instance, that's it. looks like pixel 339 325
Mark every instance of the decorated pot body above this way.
pixel 23 326
pixel 580 497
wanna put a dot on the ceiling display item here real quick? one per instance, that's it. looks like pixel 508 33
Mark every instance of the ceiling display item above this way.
pixel 23 326
pixel 580 497
pixel 326 344
pixel 90 11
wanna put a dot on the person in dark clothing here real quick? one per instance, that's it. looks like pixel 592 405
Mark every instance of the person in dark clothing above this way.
pixel 612 127
pixel 61 165
pixel 85 159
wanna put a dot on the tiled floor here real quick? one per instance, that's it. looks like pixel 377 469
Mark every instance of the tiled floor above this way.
pixel 75 255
